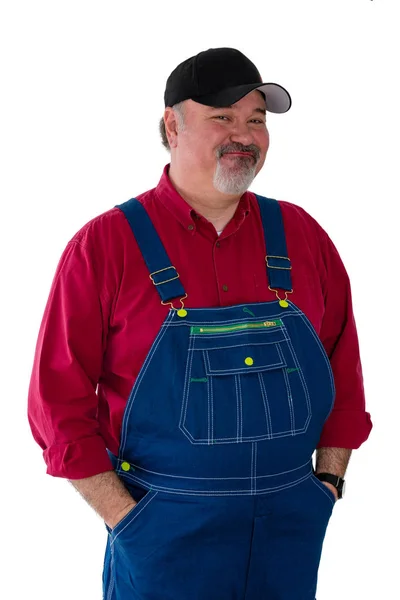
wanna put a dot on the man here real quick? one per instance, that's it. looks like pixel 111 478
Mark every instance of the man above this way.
pixel 197 346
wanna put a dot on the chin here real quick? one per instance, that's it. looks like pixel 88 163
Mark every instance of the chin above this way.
pixel 233 183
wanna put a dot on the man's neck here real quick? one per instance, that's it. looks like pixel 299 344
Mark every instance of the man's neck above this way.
pixel 214 206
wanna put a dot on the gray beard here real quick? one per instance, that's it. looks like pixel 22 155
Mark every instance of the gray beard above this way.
pixel 234 180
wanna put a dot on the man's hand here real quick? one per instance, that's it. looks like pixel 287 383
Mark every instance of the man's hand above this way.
pixel 107 494
pixel 332 488
pixel 120 515
pixel 332 460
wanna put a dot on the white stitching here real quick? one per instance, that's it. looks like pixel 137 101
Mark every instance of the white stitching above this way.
pixel 135 512
pixel 112 580
pixel 211 388
pixel 245 439
pixel 256 305
pixel 299 373
pixel 241 409
pixel 210 374
pixel 289 394
pixel 325 491
pixel 247 342
pixel 246 492
pixel 138 380
pixel 237 410
pixel 139 468
pixel 185 399
pixel 186 383
pixel 264 397
pixel 241 370
pixel 251 468
pixel 255 467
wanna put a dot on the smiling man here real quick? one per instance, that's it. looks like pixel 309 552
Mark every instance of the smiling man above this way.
pixel 197 347
pixel 219 153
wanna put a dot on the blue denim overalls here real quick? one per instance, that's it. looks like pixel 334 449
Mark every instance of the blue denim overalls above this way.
pixel 217 442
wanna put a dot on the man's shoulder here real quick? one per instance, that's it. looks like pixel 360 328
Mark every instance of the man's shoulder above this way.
pixel 296 212
pixel 108 225
pixel 295 216
pixel 99 227
pixel 307 220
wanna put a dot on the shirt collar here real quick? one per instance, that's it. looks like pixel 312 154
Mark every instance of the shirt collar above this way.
pixel 183 212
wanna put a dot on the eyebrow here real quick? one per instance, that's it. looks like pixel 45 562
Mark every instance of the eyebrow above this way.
pixel 260 110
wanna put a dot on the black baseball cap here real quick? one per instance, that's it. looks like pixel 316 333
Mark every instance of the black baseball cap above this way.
pixel 220 77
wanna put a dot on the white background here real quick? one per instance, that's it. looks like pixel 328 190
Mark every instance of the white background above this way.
pixel 82 94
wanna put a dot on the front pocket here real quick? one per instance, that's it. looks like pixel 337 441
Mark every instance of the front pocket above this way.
pixel 243 383
pixel 128 520
pixel 324 489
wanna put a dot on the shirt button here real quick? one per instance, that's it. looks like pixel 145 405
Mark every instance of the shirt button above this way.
pixel 190 227
pixel 217 244
pixel 225 288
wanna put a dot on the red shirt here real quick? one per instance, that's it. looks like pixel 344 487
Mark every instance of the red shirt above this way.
pixel 103 313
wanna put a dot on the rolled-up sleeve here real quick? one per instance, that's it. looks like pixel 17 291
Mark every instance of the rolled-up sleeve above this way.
pixel 62 399
pixel 349 424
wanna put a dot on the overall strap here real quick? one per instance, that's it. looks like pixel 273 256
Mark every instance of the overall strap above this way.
pixel 164 276
pixel 277 260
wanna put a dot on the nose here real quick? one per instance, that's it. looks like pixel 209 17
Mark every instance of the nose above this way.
pixel 241 134
pixel 242 138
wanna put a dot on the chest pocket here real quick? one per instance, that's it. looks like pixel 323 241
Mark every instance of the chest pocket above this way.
pixel 243 383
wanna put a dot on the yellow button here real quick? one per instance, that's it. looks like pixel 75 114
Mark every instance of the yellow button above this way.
pixel 283 303
pixel 182 312
pixel 125 466
pixel 249 361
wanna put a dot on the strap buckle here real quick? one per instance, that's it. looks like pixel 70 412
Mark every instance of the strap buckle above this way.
pixel 283 257
pixel 160 271
pixel 172 305
pixel 277 295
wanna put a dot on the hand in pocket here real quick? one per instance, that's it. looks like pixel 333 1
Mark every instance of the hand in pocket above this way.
pixel 121 515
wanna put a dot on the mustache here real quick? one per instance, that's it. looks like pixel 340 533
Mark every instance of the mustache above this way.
pixel 253 150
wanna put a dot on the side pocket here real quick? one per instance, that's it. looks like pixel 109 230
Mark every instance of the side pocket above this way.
pixel 324 489
pixel 131 518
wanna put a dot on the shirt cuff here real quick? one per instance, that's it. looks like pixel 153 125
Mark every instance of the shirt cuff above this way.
pixel 76 460
pixel 345 429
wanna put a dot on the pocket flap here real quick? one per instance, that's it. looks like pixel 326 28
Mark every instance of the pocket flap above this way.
pixel 243 359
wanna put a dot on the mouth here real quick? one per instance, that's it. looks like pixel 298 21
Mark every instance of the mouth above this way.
pixel 248 154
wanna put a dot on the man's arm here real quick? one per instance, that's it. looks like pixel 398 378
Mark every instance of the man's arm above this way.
pixel 107 494
pixel 63 404
pixel 332 460
pixel 349 424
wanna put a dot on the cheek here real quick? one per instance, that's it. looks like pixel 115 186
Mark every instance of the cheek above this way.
pixel 263 141
pixel 209 139
pixel 263 144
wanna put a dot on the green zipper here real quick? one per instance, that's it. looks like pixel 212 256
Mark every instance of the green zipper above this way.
pixel 227 328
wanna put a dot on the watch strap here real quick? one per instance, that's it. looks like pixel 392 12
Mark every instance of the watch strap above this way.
pixel 335 480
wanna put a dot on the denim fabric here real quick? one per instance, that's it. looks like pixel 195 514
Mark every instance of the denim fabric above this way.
pixel 216 447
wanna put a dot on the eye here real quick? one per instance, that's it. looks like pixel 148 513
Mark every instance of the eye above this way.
pixel 224 117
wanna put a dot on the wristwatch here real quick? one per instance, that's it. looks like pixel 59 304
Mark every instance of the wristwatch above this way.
pixel 335 480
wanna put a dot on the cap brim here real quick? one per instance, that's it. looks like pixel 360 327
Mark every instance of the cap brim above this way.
pixel 278 99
